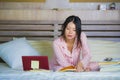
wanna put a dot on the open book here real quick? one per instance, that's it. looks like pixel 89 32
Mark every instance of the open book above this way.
pixel 110 66
pixel 109 62
pixel 68 69
pixel 114 67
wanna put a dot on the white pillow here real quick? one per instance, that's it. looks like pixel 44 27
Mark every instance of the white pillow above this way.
pixel 12 51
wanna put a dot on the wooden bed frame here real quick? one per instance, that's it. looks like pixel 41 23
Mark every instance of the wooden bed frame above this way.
pixel 49 30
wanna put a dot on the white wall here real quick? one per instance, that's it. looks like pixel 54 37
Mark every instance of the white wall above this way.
pixel 65 4
pixel 51 4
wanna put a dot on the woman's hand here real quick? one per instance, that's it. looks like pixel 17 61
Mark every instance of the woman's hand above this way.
pixel 87 69
pixel 79 67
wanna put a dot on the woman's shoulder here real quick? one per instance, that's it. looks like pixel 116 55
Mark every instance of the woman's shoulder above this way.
pixel 58 40
pixel 83 34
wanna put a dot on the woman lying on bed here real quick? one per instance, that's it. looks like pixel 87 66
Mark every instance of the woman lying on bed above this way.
pixel 71 48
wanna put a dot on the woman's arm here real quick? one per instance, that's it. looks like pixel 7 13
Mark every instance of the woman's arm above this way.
pixel 86 55
pixel 58 53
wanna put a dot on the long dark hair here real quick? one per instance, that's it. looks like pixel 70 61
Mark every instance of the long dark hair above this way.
pixel 77 21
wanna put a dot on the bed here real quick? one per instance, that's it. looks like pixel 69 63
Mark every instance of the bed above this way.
pixel 10 74
pixel 103 40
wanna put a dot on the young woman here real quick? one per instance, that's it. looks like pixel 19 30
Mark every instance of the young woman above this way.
pixel 71 48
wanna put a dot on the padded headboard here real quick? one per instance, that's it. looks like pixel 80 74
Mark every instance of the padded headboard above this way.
pixel 48 30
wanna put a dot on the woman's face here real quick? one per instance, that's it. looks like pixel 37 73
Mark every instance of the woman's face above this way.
pixel 70 31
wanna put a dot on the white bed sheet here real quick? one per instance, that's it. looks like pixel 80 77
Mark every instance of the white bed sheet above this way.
pixel 7 73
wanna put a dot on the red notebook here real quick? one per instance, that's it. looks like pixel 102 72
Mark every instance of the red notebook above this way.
pixel 32 61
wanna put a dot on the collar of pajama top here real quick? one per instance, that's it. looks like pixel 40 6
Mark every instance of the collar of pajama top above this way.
pixel 71 57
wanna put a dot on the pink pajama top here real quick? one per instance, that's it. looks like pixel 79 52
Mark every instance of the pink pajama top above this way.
pixel 63 57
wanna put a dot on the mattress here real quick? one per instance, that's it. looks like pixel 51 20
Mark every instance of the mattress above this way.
pixel 6 73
